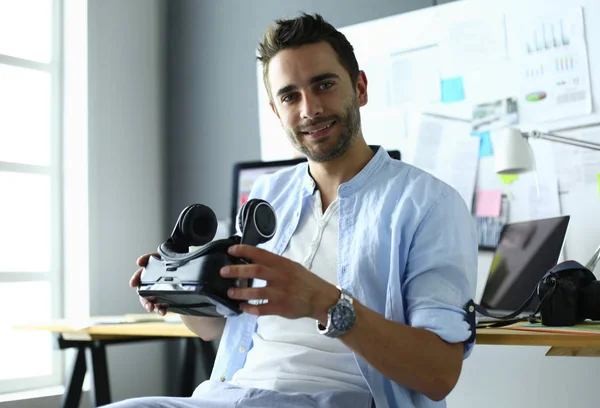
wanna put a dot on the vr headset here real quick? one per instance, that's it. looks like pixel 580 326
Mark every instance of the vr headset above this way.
pixel 190 283
pixel 568 294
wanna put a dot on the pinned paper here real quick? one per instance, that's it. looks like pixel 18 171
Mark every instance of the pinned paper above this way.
pixel 489 203
pixel 451 159
pixel 453 90
pixel 485 144
pixel 508 178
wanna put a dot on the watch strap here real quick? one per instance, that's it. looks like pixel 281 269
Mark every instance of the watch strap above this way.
pixel 330 330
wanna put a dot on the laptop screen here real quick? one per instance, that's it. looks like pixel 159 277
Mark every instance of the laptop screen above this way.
pixel 525 252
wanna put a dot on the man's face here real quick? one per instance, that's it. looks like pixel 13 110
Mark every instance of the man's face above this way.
pixel 313 96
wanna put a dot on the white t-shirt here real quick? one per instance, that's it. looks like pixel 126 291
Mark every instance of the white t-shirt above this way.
pixel 289 355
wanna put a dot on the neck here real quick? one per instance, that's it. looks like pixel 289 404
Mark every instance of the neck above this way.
pixel 331 174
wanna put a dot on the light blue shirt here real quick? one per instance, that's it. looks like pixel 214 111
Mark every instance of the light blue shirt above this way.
pixel 407 249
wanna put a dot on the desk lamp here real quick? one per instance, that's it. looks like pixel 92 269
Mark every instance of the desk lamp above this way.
pixel 513 154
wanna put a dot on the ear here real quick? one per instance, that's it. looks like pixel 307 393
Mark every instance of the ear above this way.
pixel 361 88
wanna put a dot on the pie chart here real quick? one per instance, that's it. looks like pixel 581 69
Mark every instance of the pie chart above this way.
pixel 535 96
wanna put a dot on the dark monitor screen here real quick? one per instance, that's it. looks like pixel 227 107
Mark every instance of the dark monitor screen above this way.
pixel 525 252
pixel 246 173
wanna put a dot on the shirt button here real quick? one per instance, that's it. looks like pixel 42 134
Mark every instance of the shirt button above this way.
pixel 242 349
pixel 222 379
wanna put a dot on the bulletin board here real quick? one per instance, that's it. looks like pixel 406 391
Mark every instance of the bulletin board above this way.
pixel 435 73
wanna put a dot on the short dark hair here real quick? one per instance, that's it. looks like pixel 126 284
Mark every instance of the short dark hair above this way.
pixel 303 30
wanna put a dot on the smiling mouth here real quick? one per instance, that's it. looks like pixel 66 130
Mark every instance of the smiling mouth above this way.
pixel 320 129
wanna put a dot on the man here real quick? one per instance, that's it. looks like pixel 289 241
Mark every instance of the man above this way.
pixel 399 243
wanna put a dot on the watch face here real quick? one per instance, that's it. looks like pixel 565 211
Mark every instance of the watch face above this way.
pixel 343 317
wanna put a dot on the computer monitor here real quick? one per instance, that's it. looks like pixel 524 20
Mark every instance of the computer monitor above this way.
pixel 525 252
pixel 246 173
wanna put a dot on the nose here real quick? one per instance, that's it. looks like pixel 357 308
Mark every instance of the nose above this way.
pixel 311 106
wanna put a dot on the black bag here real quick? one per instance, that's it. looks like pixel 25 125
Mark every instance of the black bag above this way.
pixel 569 294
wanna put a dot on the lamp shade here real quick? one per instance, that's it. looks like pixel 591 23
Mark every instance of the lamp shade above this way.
pixel 512 153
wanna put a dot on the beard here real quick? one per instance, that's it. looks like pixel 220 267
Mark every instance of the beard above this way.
pixel 326 149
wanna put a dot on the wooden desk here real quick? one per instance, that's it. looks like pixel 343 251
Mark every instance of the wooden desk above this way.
pixel 91 341
pixel 156 328
pixel 561 344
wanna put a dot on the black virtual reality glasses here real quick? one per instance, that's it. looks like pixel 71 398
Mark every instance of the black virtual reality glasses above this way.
pixel 190 283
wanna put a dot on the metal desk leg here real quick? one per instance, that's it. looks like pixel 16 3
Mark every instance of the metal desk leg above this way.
pixel 72 394
pixel 190 356
pixel 188 378
pixel 208 352
pixel 91 354
pixel 99 388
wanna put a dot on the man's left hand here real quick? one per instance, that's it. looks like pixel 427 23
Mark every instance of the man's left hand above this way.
pixel 292 290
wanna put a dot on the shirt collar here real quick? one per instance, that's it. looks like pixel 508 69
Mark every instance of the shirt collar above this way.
pixel 354 184
pixel 308 184
pixel 362 178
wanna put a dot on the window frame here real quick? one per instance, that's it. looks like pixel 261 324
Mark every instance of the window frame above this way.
pixel 55 172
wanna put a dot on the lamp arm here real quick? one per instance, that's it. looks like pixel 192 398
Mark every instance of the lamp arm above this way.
pixel 536 134
pixel 591 265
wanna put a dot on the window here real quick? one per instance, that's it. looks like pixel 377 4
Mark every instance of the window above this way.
pixel 30 182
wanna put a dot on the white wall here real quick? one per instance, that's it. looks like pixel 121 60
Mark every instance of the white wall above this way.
pixel 126 139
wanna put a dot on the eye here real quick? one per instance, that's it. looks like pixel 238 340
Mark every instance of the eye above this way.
pixel 288 98
pixel 325 85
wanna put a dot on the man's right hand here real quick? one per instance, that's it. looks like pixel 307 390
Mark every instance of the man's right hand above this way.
pixel 134 282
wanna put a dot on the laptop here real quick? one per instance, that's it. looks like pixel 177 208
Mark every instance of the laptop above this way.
pixel 525 252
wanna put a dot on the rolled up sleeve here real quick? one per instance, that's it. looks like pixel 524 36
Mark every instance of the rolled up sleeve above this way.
pixel 441 273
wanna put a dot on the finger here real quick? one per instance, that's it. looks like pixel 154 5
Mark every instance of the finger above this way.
pixel 255 254
pixel 248 271
pixel 260 310
pixel 134 282
pixel 148 302
pixel 149 306
pixel 251 293
pixel 143 260
pixel 161 309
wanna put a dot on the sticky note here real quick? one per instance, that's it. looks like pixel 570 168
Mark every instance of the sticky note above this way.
pixel 508 178
pixel 485 144
pixel 453 90
pixel 489 203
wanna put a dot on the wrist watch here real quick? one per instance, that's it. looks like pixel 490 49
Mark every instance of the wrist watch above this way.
pixel 340 317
